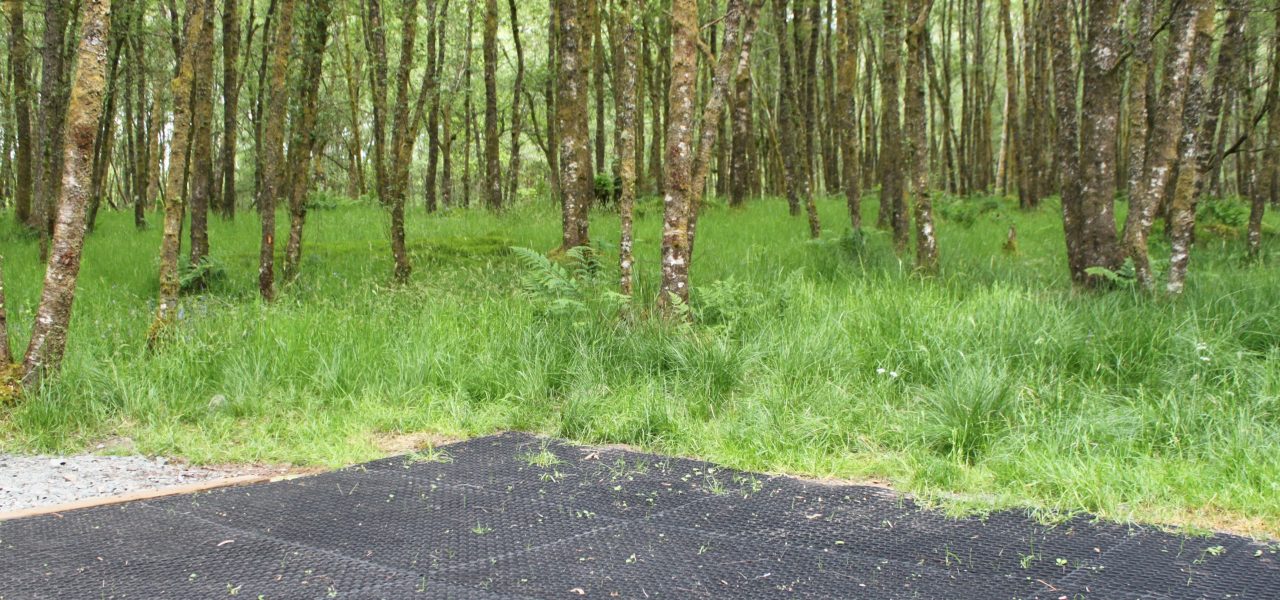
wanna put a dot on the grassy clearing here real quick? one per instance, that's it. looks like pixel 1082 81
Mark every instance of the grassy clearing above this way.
pixel 829 358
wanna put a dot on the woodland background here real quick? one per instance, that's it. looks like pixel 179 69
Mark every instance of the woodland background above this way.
pixel 1019 250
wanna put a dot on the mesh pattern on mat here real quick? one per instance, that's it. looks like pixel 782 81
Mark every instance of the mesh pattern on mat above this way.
pixel 519 517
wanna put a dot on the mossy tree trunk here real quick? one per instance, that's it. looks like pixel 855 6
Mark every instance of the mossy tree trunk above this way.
pixel 625 113
pixel 678 177
pixel 304 139
pixel 517 111
pixel 174 194
pixel 391 160
pixel 1161 148
pixel 1066 146
pixel 492 166
pixel 201 161
pixel 1017 142
pixel 230 105
pixel 1200 121
pixel 812 23
pixel 6 352
pixel 788 118
pixel 53 315
pixel 52 120
pixel 891 177
pixel 741 171
pixel 571 123
pixel 274 171
pixel 848 106
pixel 19 59
pixel 1096 238
pixel 140 160
pixel 917 136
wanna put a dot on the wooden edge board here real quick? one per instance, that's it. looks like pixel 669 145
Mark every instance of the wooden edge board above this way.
pixel 139 495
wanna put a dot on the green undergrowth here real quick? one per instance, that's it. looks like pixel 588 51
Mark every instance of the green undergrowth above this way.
pixel 996 383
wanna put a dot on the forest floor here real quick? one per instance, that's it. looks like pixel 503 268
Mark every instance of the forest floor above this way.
pixel 996 384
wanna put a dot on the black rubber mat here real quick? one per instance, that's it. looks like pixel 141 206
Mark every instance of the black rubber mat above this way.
pixel 516 516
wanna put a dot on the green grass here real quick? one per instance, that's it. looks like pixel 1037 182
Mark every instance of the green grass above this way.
pixel 996 382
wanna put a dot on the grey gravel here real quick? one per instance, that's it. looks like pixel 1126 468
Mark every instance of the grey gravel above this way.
pixel 28 481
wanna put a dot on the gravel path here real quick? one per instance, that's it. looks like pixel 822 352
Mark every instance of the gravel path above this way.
pixel 27 481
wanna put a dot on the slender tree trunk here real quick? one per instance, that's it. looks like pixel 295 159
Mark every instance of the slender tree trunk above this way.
pixel 1066 148
pixel 446 154
pixel 302 147
pixel 846 94
pixel 625 113
pixel 917 139
pixel 679 191
pixel 550 92
pixel 571 120
pixel 942 98
pixel 273 160
pixel 154 151
pixel 175 195
pixel 1033 147
pixel 201 171
pixel 405 128
pixel 892 200
pixel 740 111
pixel 52 122
pixel 1016 130
pixel 129 117
pixel 722 154
pixel 597 71
pixel 788 117
pixel 355 124
pixel 53 314
pixel 435 60
pixel 965 144
pixel 809 110
pixel 1227 77
pixel 1200 121
pixel 641 96
pixel 392 162
pixel 981 119
pixel 870 126
pixel 141 159
pixel 1139 69
pixel 739 24
pixel 230 105
pixel 1162 148
pixel 376 46
pixel 257 117
pixel 517 114
pixel 1004 155
pixel 19 59
pixel 1182 204
pixel 7 175
pixel 828 111
pixel 6 351
pixel 657 102
pixel 468 113
pixel 492 169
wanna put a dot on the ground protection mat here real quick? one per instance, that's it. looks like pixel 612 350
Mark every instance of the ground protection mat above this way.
pixel 527 518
